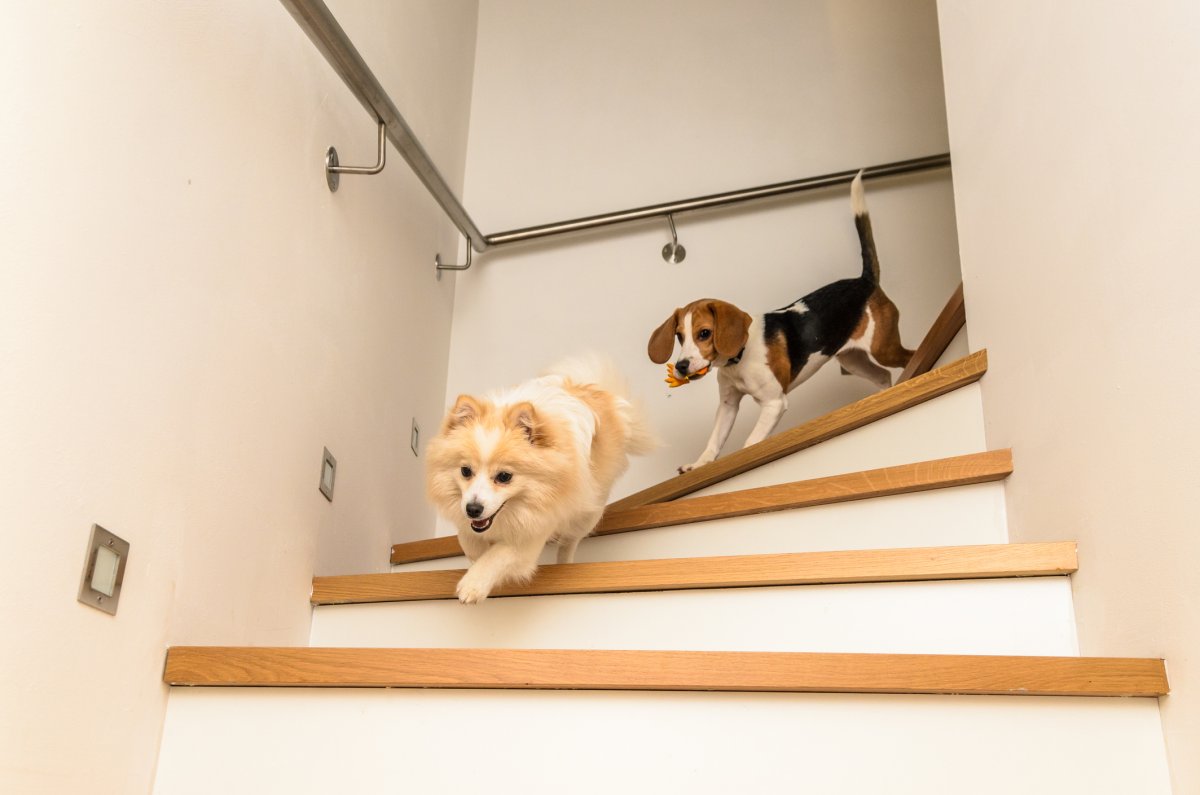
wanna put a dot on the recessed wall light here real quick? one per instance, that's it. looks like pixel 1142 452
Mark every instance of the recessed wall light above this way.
pixel 103 570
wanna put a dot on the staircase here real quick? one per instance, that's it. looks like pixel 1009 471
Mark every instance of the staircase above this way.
pixel 835 610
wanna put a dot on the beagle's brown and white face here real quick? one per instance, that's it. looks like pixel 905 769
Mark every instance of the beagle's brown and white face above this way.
pixel 709 333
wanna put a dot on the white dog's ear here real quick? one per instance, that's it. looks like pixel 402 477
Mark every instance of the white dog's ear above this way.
pixel 662 341
pixel 466 409
pixel 731 327
pixel 523 417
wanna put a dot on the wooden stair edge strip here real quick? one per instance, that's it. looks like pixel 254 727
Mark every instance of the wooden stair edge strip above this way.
pixel 732 571
pixel 945 328
pixel 426 549
pixel 847 418
pixel 941 473
pixel 559 669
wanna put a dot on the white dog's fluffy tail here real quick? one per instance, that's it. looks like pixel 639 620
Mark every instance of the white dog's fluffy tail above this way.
pixel 594 368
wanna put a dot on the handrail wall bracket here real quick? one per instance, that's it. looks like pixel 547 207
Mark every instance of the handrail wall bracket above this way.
pixel 447 266
pixel 334 170
pixel 673 252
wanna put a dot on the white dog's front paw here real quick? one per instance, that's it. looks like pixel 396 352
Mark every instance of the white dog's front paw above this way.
pixel 470 591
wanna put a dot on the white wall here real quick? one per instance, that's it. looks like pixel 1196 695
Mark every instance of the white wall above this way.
pixel 595 106
pixel 187 316
pixel 1073 128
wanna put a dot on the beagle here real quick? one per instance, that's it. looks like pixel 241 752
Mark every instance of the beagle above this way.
pixel 770 355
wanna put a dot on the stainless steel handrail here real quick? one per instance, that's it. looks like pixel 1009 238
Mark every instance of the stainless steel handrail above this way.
pixel 316 20
pixel 717 200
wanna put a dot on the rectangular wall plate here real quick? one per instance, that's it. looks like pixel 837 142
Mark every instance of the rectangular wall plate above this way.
pixel 414 439
pixel 103 570
pixel 328 473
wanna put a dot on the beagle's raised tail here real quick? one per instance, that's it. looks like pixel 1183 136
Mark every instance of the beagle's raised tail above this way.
pixel 862 222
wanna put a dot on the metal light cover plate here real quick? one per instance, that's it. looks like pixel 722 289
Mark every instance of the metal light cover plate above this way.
pixel 100 586
pixel 328 473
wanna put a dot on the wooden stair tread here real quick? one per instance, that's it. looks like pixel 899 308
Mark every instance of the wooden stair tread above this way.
pixel 664 670
pixel 905 478
pixel 962 470
pixel 740 571
pixel 874 407
pixel 426 549
pixel 847 418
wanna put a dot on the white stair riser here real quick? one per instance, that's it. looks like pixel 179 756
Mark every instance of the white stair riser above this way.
pixel 429 742
pixel 1002 616
pixel 962 515
pixel 946 426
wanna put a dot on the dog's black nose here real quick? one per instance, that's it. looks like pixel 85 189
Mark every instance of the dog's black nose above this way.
pixel 681 366
pixel 474 510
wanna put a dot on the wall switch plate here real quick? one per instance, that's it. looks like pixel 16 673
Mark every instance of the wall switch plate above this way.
pixel 103 570
pixel 328 473
pixel 414 439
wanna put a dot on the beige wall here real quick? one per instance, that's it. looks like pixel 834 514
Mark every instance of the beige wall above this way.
pixel 589 107
pixel 1073 127
pixel 187 316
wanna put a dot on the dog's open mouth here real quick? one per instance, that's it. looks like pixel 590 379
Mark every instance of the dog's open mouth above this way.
pixel 480 525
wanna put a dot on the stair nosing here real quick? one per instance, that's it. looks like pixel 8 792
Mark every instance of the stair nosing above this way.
pixel 567 669
pixel 961 470
pixel 913 564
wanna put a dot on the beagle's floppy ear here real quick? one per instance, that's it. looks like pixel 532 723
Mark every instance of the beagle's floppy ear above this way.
pixel 731 328
pixel 466 409
pixel 662 341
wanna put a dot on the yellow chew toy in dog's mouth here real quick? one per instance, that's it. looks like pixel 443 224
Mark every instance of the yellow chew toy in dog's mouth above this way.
pixel 673 380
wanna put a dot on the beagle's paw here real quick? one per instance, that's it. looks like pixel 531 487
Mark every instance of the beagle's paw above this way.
pixel 699 462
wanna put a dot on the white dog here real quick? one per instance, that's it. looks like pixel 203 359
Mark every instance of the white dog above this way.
pixel 532 465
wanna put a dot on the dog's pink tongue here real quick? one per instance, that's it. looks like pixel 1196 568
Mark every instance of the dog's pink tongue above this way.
pixel 481 524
